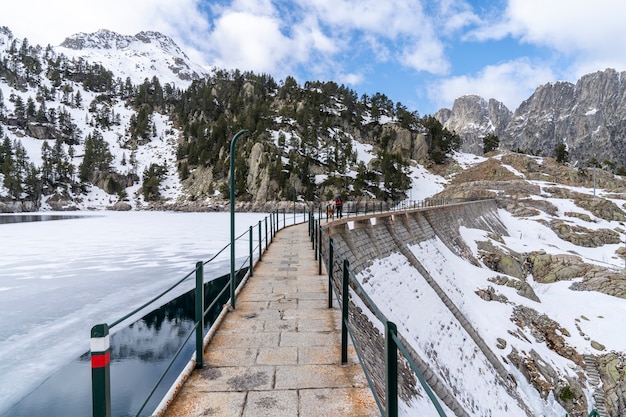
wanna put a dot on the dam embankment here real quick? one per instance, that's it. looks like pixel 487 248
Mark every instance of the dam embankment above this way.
pixel 363 240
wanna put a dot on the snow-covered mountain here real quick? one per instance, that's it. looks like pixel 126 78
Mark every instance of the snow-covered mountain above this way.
pixel 28 77
pixel 145 55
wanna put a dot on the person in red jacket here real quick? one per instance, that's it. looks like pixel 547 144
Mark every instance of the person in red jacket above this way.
pixel 339 206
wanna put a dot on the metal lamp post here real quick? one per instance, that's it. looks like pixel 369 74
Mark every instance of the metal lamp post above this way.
pixel 232 216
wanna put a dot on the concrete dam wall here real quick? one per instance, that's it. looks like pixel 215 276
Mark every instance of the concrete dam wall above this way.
pixel 364 240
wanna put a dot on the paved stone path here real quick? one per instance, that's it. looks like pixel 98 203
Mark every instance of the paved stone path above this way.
pixel 279 353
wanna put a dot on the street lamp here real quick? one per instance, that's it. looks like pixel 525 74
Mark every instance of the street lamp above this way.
pixel 232 216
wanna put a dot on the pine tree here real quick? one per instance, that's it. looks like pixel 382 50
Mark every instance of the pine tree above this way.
pixel 19 112
pixel 97 157
pixel 490 143
pixel 152 177
pixel 47 165
pixel 561 153
pixel 14 168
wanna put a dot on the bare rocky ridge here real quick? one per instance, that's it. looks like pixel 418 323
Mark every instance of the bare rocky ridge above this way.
pixel 589 117
pixel 473 118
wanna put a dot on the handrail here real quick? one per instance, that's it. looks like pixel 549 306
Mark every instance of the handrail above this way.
pixel 393 343
pixel 397 344
pixel 100 339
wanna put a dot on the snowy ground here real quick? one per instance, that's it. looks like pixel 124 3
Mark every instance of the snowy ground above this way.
pixel 406 299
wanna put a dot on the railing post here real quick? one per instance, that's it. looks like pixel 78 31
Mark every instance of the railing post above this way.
pixel 344 311
pixel 313 241
pixel 391 367
pixel 100 370
pixel 319 246
pixel 199 314
pixel 271 228
pixel 260 243
pixel 330 273
pixel 267 242
pixel 251 249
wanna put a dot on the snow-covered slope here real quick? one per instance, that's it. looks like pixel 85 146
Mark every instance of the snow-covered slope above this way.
pixel 140 57
pixel 145 55
pixel 552 335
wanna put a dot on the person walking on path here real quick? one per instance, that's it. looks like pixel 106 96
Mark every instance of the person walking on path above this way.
pixel 339 206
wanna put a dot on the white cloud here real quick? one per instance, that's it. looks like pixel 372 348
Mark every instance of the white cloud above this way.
pixel 580 36
pixel 455 15
pixel 248 42
pixel 50 22
pixel 396 30
pixel 426 55
pixel 390 19
pixel 587 34
pixel 568 26
pixel 511 83
pixel 351 78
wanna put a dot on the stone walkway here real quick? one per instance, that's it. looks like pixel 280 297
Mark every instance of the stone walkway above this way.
pixel 279 353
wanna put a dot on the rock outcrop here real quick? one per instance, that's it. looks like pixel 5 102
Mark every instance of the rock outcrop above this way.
pixel 473 118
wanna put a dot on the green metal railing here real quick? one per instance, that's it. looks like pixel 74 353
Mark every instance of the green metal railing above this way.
pixel 364 207
pixel 341 276
pixel 393 344
pixel 100 337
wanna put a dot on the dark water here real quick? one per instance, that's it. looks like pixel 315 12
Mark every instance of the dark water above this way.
pixel 140 354
pixel 25 218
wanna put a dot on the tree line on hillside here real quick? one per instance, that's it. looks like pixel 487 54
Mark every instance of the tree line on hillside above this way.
pixel 307 133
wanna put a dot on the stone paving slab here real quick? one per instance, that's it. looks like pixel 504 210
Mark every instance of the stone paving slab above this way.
pixel 279 352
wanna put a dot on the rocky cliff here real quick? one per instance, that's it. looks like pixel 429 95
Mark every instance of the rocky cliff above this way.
pixel 589 117
pixel 473 118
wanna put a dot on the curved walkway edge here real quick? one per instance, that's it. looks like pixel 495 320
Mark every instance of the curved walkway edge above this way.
pixel 279 352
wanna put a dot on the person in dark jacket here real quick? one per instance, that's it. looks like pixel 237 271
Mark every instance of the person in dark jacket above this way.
pixel 339 206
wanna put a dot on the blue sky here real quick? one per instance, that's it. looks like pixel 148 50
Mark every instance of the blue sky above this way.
pixel 423 53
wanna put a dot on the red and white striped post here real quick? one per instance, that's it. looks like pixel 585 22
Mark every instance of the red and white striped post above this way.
pixel 100 370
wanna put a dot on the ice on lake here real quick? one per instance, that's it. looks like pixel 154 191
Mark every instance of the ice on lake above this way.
pixel 59 278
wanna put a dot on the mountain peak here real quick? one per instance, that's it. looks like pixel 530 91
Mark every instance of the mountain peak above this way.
pixel 474 117
pixel 102 39
pixel 152 53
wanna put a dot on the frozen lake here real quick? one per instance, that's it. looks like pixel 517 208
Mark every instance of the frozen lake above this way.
pixel 59 278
